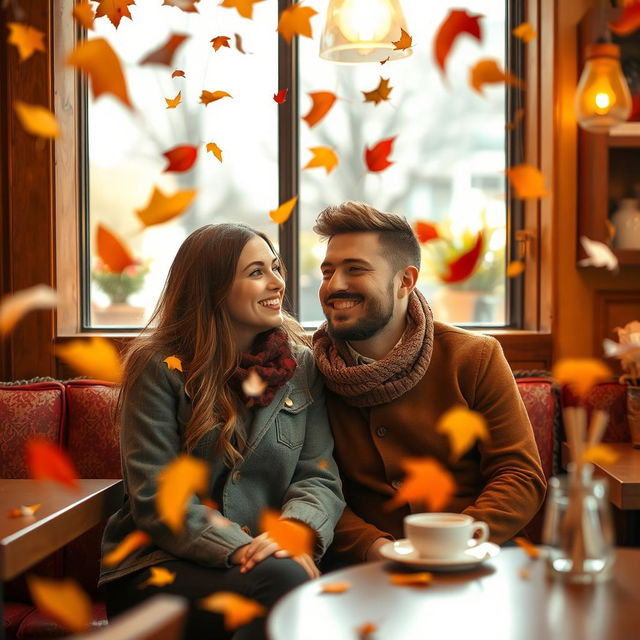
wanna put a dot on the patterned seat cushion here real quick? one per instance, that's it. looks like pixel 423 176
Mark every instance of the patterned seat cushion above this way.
pixel 37 625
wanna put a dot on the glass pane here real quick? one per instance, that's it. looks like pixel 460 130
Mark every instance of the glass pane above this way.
pixel 449 157
pixel 125 147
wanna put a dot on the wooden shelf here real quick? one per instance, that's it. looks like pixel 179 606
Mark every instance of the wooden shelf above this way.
pixel 628 257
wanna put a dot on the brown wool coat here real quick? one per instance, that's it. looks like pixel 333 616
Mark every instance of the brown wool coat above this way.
pixel 499 481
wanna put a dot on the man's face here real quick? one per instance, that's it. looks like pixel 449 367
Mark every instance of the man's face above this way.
pixel 358 290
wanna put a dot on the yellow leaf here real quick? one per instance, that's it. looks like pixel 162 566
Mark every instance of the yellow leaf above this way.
pixel 527 181
pixel 380 93
pixel 133 541
pixel 237 609
pixel 243 7
pixel 15 306
pixel 421 579
pixel 335 587
pixel 207 97
pixel 37 120
pixel 215 149
pixel 83 14
pixel 463 427
pixel 160 577
pixel 525 32
pixel 173 362
pixel 63 600
pixel 177 482
pixel 580 374
pixel 323 157
pixel 515 268
pixel 488 71
pixel 530 549
pixel 295 20
pixel 426 481
pixel 24 511
pixel 172 103
pixel 404 42
pixel 600 454
pixel 26 39
pixel 161 208
pixel 282 213
pixel 94 357
pixel 295 537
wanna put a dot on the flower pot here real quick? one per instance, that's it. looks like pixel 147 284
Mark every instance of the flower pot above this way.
pixel 633 414
pixel 118 314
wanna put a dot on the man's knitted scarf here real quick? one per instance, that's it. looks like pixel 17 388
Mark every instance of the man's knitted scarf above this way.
pixel 384 380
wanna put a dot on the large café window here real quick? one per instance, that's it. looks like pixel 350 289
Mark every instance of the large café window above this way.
pixel 450 153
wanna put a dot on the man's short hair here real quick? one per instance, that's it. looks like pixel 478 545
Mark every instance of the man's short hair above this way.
pixel 394 232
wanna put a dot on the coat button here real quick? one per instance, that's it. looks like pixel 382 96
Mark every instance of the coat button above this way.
pixel 382 431
pixel 235 477
pixel 288 402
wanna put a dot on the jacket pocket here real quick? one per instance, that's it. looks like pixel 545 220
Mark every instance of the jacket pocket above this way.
pixel 291 420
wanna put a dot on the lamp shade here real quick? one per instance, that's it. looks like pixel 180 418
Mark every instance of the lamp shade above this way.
pixel 603 99
pixel 363 31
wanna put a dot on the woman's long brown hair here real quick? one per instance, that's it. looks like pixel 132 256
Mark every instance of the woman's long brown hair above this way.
pixel 191 322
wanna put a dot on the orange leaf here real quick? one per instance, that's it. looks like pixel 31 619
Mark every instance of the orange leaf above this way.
pixel 133 541
pixel 411 579
pixel 63 600
pixel 160 577
pixel 629 21
pixel 188 6
pixel 426 481
pixel 530 549
pixel 15 306
pixel 177 482
pixel 162 208
pixel 164 54
pixel 220 41
pixel 525 32
pixel 237 609
pixel 385 60
pixel 323 464
pixel 26 39
pixel 253 385
pixel 172 103
pixel 37 120
pixel 463 427
pixel 527 181
pixel 112 251
pixel 404 42
pixel 322 103
pixel 99 61
pixel 47 461
pixel 425 231
pixel 207 97
pixel 600 454
pixel 515 268
pixel 295 21
pixel 335 587
pixel 463 266
pixel 178 73
pixel 366 631
pixel 377 158
pixel 83 14
pixel 380 93
pixel 295 537
pixel 580 374
pixel 115 10
pixel 323 157
pixel 215 149
pixel 281 96
pixel 173 362
pixel 457 22
pixel 181 158
pixel 24 511
pixel 243 7
pixel 282 213
pixel 488 71
pixel 94 357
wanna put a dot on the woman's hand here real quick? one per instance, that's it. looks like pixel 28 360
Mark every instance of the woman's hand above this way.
pixel 258 549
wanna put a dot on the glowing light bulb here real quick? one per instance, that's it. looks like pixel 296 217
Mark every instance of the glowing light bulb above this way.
pixel 602 102
pixel 364 20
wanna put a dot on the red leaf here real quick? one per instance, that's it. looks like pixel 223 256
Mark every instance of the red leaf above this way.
pixel 281 96
pixel 457 22
pixel 181 158
pixel 178 73
pixel 425 231
pixel 629 21
pixel 377 157
pixel 461 268
pixel 46 461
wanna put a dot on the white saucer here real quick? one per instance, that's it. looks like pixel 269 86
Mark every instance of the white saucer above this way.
pixel 403 551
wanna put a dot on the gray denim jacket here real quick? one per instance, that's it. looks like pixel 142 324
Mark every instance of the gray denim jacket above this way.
pixel 288 465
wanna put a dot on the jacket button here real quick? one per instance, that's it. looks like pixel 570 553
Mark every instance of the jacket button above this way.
pixel 235 477
pixel 382 431
pixel 246 529
pixel 396 484
pixel 288 402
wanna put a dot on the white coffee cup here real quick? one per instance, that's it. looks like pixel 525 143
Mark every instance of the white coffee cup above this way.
pixel 444 535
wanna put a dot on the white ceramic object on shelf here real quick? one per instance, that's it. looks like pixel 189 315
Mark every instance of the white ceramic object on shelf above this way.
pixel 626 221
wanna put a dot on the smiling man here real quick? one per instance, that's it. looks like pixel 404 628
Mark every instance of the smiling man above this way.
pixel 392 372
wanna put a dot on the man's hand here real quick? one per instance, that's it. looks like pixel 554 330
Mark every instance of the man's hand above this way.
pixel 373 553
pixel 258 549
pixel 307 563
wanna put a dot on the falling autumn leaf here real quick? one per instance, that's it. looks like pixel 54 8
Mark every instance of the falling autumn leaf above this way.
pixel 377 158
pixel 464 265
pixel 172 103
pixel 421 579
pixel 323 157
pixel 94 357
pixel 322 103
pixel 253 385
pixel 63 600
pixel 215 149
pixel 600 454
pixel 220 41
pixel 385 60
pixel 629 21
pixel 365 631
pixel 24 511
pixel 295 20
pixel 323 464
pixel 133 541
pixel 112 251
pixel 425 231
pixel 525 32
pixel 181 158
pixel 282 213
pixel 295 537
pixel 98 60
pixel 515 268
pixel 178 73
pixel 528 547
pixel 164 54
pixel 580 374
pixel 243 7
pixel 380 93
pixel 173 362
pixel 177 482
pixel 335 587
pixel 598 255
pixel 238 41
pixel 115 10
pixel 83 14
pixel 237 610
pixel 404 42
pixel 26 39
pixel 457 22
pixel 37 120
pixel 426 481
pixel 207 97
pixel 15 306
pixel 162 208
pixel 281 96
pixel 188 6
pixel 488 71
pixel 160 577
pixel 463 427
pixel 45 460
pixel 527 181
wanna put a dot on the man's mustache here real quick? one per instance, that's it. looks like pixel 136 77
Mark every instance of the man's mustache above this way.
pixel 343 296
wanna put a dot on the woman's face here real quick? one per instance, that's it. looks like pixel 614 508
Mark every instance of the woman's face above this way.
pixel 255 300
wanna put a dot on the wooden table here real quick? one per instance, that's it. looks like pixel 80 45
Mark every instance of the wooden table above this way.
pixel 492 602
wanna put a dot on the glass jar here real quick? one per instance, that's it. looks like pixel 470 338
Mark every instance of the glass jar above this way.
pixel 578 531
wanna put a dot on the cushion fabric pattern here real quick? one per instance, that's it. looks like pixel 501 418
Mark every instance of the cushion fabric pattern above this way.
pixel 37 625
